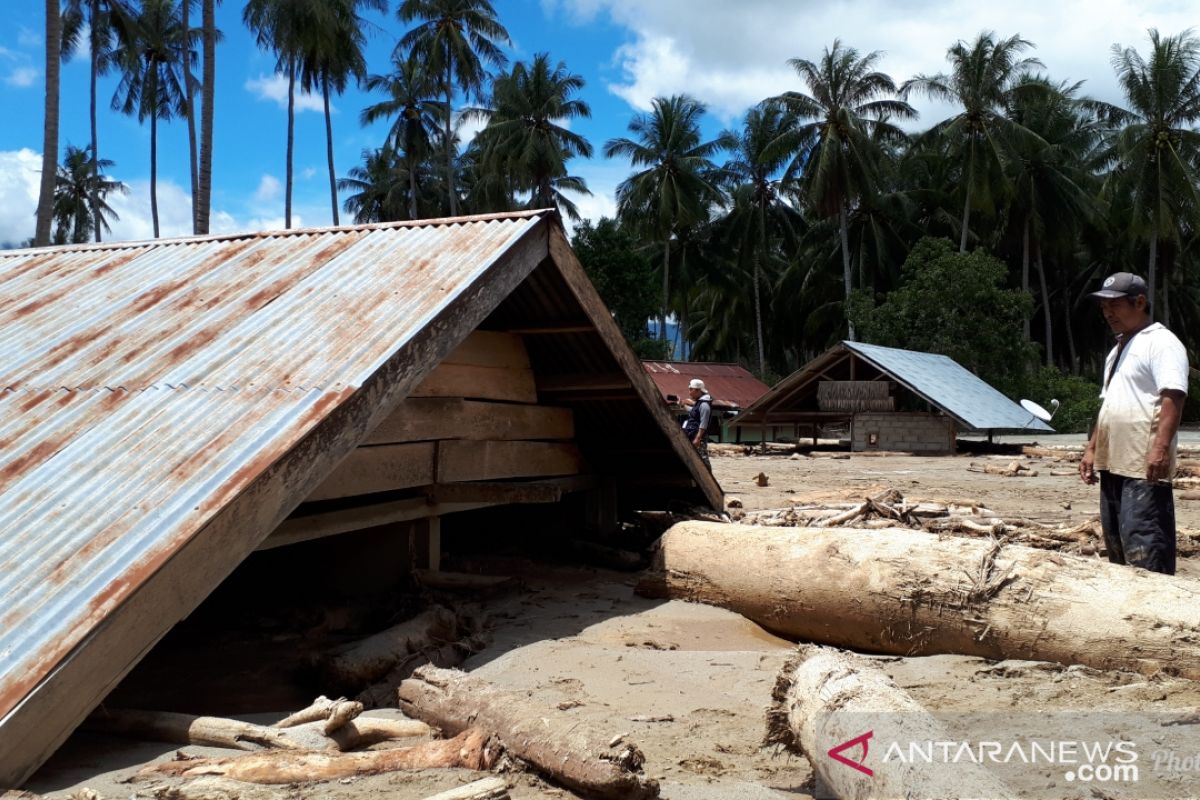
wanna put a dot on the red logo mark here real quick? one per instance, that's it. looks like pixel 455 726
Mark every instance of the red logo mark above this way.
pixel 836 752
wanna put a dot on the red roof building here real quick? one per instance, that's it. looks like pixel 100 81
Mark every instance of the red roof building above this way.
pixel 732 387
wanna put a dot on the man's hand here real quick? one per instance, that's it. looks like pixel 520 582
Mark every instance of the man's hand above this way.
pixel 1087 466
pixel 1158 463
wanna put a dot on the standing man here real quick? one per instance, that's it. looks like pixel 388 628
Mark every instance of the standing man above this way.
pixel 696 425
pixel 1133 443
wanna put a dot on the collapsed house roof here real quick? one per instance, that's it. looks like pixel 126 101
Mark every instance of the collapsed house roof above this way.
pixel 937 379
pixel 732 386
pixel 165 405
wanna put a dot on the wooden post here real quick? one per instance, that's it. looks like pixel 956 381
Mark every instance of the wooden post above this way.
pixel 427 544
pixel 600 508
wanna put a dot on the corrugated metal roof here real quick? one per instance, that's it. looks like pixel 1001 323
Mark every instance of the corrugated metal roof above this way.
pixel 731 385
pixel 143 385
pixel 946 384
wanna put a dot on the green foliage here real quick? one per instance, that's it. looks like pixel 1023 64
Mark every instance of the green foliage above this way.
pixel 1079 398
pixel 624 279
pixel 955 304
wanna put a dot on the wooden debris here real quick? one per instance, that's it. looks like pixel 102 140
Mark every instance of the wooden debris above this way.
pixel 761 479
pixel 366 661
pixel 469 750
pixel 1015 469
pixel 906 592
pixel 557 745
pixel 334 713
pixel 217 789
pixel 465 583
pixel 485 789
pixel 821 700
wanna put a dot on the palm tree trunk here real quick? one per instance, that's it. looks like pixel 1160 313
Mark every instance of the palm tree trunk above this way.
pixel 412 184
pixel 45 208
pixel 962 242
pixel 449 143
pixel 844 232
pixel 682 328
pixel 1041 268
pixel 758 332
pixel 189 89
pixel 1025 277
pixel 291 140
pixel 329 150
pixel 154 168
pixel 1068 308
pixel 666 286
pixel 93 200
pixel 204 180
pixel 1167 262
pixel 1153 267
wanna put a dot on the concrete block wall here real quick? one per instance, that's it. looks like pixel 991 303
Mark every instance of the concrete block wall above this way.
pixel 908 432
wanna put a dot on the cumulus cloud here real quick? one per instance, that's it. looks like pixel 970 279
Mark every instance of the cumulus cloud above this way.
pixel 20 179
pixel 268 189
pixel 731 55
pixel 275 88
pixel 22 77
pixel 28 37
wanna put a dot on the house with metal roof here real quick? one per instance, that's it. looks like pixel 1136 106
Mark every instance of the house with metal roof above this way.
pixel 731 385
pixel 168 408
pixel 891 399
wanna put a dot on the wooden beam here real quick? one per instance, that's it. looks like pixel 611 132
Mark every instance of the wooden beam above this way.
pixel 483 461
pixel 582 382
pixel 349 520
pixel 513 384
pixel 382 468
pixel 549 490
pixel 503 350
pixel 551 330
pixel 428 418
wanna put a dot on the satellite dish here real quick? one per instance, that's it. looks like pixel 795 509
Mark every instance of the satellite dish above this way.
pixel 1038 412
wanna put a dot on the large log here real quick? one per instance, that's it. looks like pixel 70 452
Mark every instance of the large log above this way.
pixel 469 750
pixel 581 757
pixel 825 700
pixel 367 660
pixel 913 593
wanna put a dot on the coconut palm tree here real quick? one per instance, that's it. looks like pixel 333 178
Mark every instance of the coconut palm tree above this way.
pixel 843 120
pixel 104 21
pixel 1157 149
pixel 415 111
pixel 527 139
pixel 378 187
pixel 79 192
pixel 676 184
pixel 762 216
pixel 152 86
pixel 209 34
pixel 45 207
pixel 456 39
pixel 983 77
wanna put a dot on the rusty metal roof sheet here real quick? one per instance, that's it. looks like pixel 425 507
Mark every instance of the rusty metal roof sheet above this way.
pixel 731 385
pixel 143 385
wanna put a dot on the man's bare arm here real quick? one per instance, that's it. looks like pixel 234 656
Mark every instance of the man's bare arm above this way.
pixel 1158 460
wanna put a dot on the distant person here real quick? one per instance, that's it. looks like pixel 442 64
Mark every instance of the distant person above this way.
pixel 1133 443
pixel 699 417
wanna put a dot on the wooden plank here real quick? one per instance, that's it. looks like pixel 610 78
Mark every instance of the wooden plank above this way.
pixel 427 418
pixel 483 461
pixel 491 349
pixel 382 468
pixel 553 330
pixel 484 383
pixel 549 490
pixel 585 382
pixel 334 523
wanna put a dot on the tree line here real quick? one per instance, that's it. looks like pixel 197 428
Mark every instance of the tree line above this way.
pixel 764 243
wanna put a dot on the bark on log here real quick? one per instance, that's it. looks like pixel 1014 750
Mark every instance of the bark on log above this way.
pixel 577 756
pixel 370 659
pixel 469 750
pixel 485 789
pixel 913 593
pixel 824 699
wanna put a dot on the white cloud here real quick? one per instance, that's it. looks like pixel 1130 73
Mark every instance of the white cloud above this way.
pixel 27 37
pixel 22 77
pixel 136 222
pixel 308 173
pixel 731 55
pixel 467 128
pixel 275 88
pixel 20 178
pixel 268 189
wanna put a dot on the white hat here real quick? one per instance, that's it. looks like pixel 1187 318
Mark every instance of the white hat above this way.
pixel 696 384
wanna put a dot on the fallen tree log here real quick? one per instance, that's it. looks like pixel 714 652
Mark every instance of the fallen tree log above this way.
pixel 469 750
pixel 913 593
pixel 366 661
pixel 575 755
pixel 824 700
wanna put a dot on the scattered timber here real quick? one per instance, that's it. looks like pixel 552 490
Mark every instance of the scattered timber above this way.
pixel 359 664
pixel 821 700
pixel 584 758
pixel 912 593
pixel 218 789
pixel 468 750
pixel 1014 469
pixel 484 789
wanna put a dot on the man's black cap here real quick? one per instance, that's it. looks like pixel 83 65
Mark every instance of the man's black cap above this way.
pixel 1121 284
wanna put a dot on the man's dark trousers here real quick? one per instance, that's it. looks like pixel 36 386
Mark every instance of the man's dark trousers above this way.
pixel 1138 517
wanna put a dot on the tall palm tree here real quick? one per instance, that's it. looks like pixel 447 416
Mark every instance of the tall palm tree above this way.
pixel 334 55
pixel 526 138
pixel 203 199
pixel 104 20
pixel 151 80
pixel 189 106
pixel 982 79
pixel 676 185
pixel 45 207
pixel 378 187
pixel 79 191
pixel 456 38
pixel 762 215
pixel 287 28
pixel 844 119
pixel 412 104
pixel 1157 151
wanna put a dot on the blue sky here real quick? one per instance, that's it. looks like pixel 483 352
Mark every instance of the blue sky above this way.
pixel 728 54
